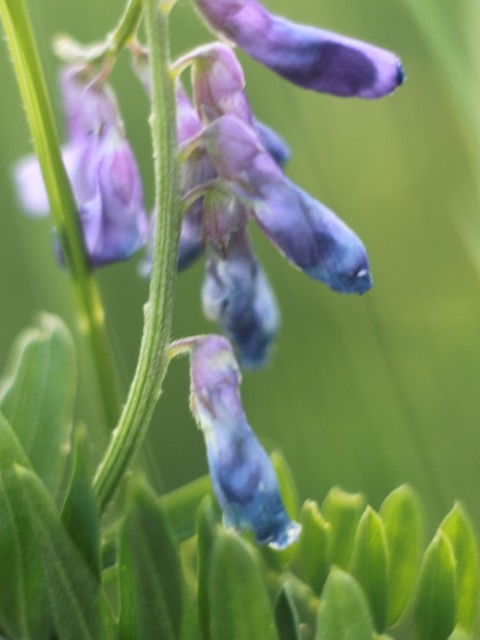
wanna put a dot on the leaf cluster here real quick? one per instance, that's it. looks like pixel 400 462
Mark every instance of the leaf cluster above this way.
pixel 164 567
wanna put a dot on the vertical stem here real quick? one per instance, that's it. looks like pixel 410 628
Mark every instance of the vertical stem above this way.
pixel 153 358
pixel 37 105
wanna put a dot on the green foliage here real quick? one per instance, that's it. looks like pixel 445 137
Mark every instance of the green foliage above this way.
pixel 343 612
pixel 435 610
pixel 342 511
pixel 370 564
pixel 312 560
pixel 151 589
pixel 239 605
pixel 459 531
pixel 286 616
pixel 38 393
pixel 402 518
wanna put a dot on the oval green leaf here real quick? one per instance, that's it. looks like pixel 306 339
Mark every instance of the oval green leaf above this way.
pixel 370 564
pixel 76 601
pixel 458 529
pixel 151 588
pixel 343 613
pixel 239 604
pixel 286 616
pixel 342 511
pixel 37 395
pixel 80 514
pixel 23 604
pixel 402 517
pixel 436 598
pixel 312 557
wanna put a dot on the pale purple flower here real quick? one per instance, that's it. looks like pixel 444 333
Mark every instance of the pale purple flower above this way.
pixel 242 474
pixel 309 57
pixel 102 170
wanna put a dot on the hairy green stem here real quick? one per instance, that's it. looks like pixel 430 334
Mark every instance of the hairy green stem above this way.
pixel 35 97
pixel 153 358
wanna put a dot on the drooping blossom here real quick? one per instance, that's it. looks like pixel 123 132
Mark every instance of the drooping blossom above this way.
pixel 242 474
pixel 306 232
pixel 307 56
pixel 102 170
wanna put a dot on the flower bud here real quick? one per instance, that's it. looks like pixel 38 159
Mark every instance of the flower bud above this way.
pixel 242 474
pixel 309 57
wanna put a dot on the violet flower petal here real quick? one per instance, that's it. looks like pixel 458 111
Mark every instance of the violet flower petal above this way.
pixel 309 57
pixel 243 477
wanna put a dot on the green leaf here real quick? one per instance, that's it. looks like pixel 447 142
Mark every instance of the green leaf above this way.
pixel 80 514
pixel 181 506
pixel 23 603
pixel 458 529
pixel 76 601
pixel 150 572
pixel 286 617
pixel 239 605
pixel 206 525
pixel 342 510
pixel 436 598
pixel 402 517
pixel 286 482
pixel 370 564
pixel 312 558
pixel 460 634
pixel 343 613
pixel 37 396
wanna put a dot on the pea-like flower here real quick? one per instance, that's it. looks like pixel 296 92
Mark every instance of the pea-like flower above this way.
pixel 236 293
pixel 242 474
pixel 309 57
pixel 306 232
pixel 102 170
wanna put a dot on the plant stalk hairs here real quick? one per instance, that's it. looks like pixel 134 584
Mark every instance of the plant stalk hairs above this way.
pixel 218 169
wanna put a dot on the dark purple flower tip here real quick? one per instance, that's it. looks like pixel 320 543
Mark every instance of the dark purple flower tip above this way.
pixel 273 143
pixel 243 477
pixel 309 57
pixel 237 295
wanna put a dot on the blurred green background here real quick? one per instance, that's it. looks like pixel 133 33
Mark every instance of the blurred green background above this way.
pixel 363 392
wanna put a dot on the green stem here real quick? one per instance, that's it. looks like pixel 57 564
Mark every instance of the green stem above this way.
pixel 153 358
pixel 35 97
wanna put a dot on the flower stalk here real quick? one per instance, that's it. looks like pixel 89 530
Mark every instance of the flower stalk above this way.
pixel 153 358
pixel 37 105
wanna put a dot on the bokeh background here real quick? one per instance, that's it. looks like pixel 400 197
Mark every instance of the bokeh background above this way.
pixel 363 392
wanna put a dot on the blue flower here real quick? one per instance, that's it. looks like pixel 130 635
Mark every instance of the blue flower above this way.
pixel 242 474
pixel 309 57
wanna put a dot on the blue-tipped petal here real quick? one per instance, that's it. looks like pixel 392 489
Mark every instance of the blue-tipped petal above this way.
pixel 309 57
pixel 243 477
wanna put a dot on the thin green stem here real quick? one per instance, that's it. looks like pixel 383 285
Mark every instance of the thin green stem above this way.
pixel 35 97
pixel 153 357
pixel 71 51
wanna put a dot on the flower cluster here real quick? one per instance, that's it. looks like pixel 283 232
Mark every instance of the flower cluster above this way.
pixel 232 171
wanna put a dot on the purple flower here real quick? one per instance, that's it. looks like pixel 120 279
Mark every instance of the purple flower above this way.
pixel 309 57
pixel 306 232
pixel 236 293
pixel 242 474
pixel 102 171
